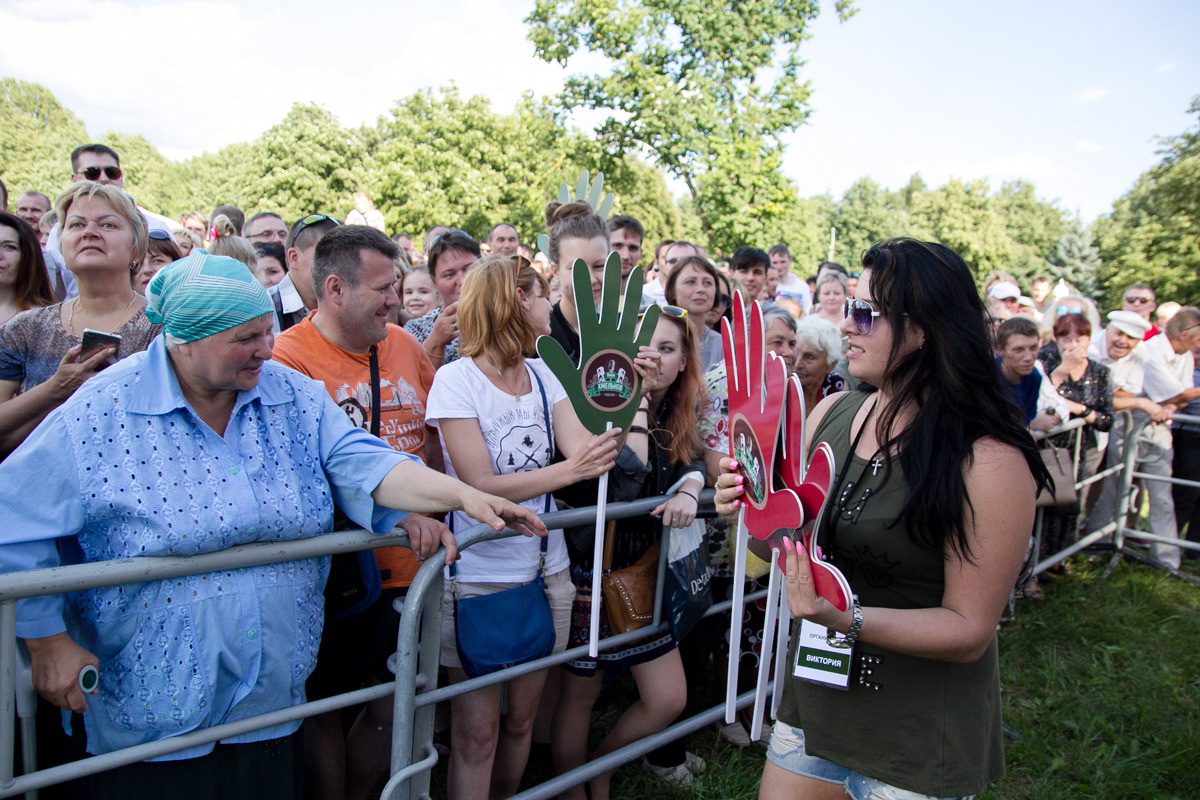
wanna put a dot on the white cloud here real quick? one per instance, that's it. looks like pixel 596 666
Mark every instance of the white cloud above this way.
pixel 1085 146
pixel 1091 94
pixel 1166 66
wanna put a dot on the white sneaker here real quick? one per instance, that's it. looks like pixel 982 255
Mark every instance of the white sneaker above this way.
pixel 678 776
pixel 694 763
pixel 736 734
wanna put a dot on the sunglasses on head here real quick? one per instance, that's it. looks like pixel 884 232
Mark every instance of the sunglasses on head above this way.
pixel 674 312
pixel 861 314
pixel 93 173
pixel 1061 311
pixel 311 219
pixel 448 235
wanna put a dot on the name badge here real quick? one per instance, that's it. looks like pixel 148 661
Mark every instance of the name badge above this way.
pixel 819 662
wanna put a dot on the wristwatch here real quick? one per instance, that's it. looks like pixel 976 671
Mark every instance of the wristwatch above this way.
pixel 835 639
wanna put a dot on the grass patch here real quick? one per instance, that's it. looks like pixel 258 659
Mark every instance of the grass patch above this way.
pixel 1100 683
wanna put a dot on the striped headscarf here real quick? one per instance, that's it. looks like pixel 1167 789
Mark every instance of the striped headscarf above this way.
pixel 203 294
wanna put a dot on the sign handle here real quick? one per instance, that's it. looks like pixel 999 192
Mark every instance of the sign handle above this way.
pixel 735 624
pixel 764 660
pixel 598 561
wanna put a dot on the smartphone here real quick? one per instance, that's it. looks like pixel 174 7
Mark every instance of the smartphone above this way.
pixel 98 340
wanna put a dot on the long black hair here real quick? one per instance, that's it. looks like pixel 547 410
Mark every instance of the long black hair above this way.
pixel 951 381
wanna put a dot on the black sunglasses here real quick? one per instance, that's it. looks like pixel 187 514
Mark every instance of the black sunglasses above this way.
pixel 861 314
pixel 93 173
pixel 313 219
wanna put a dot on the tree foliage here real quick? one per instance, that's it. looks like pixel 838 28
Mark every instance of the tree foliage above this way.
pixel 37 135
pixel 1153 232
pixel 707 89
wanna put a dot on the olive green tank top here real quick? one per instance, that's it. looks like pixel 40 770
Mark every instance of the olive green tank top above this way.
pixel 927 726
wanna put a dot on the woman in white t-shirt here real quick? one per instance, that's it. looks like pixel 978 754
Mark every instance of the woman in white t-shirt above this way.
pixel 489 409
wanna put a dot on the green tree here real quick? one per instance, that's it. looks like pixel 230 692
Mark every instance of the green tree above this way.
pixel 306 163
pixel 867 213
pixel 37 135
pixel 149 176
pixel 1153 232
pixel 706 89
pixel 1074 259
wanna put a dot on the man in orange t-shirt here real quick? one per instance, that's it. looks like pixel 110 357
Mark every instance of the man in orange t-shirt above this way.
pixel 353 272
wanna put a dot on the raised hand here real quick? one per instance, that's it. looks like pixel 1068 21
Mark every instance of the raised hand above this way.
pixel 757 387
pixel 605 387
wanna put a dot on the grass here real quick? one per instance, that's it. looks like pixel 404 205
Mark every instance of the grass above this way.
pixel 1101 685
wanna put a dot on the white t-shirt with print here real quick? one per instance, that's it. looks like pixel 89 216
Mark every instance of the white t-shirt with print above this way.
pixel 514 430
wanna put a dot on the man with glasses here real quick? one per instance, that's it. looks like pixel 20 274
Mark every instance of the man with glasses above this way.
pixel 266 227
pixel 449 255
pixel 293 296
pixel 1139 298
pixel 654 291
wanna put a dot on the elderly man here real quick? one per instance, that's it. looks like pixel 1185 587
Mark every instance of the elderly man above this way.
pixel 502 240
pixel 31 206
pixel 1138 386
pixel 380 376
pixel 266 227
pixel 293 296
pixel 1139 299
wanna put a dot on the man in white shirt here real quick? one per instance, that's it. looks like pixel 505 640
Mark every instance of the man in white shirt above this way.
pixel 790 284
pixel 1152 383
pixel 655 290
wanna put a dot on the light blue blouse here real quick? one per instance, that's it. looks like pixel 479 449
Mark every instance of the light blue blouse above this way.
pixel 126 468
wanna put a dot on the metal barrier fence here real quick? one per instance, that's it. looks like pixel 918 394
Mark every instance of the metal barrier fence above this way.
pixel 415 689
pixel 1125 498
pixel 409 681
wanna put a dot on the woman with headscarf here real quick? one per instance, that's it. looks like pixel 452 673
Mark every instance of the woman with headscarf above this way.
pixel 198 444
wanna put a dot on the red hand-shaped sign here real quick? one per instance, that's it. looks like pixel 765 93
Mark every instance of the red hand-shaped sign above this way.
pixel 812 486
pixel 756 393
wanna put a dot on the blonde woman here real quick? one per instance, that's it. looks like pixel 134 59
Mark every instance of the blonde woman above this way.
pixel 500 416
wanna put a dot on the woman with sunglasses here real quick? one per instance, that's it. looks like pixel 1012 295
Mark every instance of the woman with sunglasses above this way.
pixel 24 283
pixel 42 361
pixel 662 448
pixel 494 409
pixel 161 250
pixel 1069 304
pixel 928 517
pixel 693 286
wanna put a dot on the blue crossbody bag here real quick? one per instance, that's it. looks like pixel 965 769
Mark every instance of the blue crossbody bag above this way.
pixel 509 627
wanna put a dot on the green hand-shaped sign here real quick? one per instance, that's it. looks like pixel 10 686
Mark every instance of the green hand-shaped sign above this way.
pixel 603 387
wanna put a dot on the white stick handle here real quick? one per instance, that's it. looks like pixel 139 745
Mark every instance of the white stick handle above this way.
pixel 783 640
pixel 598 562
pixel 768 642
pixel 735 624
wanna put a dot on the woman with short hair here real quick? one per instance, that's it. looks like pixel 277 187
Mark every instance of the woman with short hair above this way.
pixel 832 289
pixel 818 350
pixel 103 242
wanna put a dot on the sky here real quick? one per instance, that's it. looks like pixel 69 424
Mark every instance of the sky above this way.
pixel 1068 95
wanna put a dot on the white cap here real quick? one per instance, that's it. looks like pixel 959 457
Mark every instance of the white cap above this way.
pixel 1129 323
pixel 1003 290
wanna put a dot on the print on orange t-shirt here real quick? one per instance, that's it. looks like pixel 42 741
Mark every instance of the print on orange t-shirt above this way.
pixel 405 375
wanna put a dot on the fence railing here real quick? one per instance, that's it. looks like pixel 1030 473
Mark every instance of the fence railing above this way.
pixel 414 690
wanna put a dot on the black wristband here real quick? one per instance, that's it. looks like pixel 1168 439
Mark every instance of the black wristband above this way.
pixel 637 429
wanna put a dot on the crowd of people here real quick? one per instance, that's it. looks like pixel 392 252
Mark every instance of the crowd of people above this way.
pixel 181 387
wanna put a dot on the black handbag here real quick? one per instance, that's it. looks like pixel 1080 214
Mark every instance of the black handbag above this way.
pixel 511 627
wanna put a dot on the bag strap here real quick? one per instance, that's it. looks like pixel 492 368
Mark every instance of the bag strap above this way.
pixel 374 360
pixel 610 529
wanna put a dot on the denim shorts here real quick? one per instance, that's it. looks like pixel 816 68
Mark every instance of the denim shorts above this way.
pixel 787 753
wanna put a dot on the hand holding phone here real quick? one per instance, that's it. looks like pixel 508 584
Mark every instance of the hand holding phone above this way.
pixel 98 340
